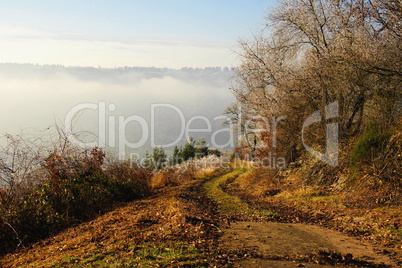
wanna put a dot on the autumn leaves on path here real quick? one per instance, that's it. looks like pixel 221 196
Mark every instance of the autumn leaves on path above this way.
pixel 195 224
pixel 276 244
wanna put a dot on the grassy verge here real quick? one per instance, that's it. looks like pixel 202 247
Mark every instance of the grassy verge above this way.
pixel 176 227
pixel 231 205
pixel 298 203
pixel 163 254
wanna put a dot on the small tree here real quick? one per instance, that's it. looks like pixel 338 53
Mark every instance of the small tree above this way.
pixel 176 156
pixel 201 148
pixel 189 149
pixel 159 158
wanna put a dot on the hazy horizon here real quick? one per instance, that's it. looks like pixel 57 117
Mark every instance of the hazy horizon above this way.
pixel 39 96
pixel 55 56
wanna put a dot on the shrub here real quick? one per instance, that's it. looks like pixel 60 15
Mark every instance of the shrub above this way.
pixel 185 171
pixel 381 183
pixel 76 189
pixel 191 149
pixel 370 143
pixel 128 182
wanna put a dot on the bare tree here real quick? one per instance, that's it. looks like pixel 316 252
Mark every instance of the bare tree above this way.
pixel 314 52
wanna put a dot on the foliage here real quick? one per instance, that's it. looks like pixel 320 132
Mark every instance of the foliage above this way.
pixel 176 158
pixel 192 149
pixel 159 158
pixel 75 190
pixel 201 148
pixel 312 53
pixel 189 149
pixel 371 143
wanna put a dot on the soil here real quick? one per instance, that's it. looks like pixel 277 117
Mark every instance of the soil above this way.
pixel 183 214
pixel 174 215
pixel 273 240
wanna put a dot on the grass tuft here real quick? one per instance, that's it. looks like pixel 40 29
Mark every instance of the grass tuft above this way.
pixel 230 205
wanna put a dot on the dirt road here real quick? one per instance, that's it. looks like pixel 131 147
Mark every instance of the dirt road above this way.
pixel 180 226
pixel 284 244
pixel 282 241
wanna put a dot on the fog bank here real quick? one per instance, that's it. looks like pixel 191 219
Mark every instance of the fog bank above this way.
pixel 109 102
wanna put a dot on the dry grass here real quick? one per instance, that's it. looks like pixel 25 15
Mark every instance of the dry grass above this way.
pixel 258 181
pixel 341 210
pixel 205 172
pixel 165 230
pixel 75 190
pixel 195 168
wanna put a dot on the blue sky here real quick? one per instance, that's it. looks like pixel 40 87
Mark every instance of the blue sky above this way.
pixel 173 33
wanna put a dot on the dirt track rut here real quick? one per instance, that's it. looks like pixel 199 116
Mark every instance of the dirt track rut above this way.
pixel 184 214
pixel 273 240
pixel 275 243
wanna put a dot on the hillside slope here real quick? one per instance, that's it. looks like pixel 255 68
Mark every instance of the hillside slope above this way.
pixel 196 224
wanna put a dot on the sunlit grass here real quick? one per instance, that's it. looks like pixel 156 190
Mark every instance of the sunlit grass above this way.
pixel 173 253
pixel 229 204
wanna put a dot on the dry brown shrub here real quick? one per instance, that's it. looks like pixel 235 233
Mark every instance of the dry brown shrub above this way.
pixel 162 178
pixel 371 192
pixel 206 172
pixel 379 181
pixel 185 171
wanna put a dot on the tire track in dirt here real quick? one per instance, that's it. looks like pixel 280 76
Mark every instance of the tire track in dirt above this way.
pixel 183 226
pixel 279 244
